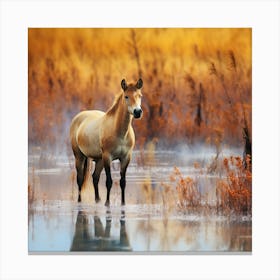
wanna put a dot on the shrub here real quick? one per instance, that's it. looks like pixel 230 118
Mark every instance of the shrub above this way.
pixel 189 196
pixel 234 193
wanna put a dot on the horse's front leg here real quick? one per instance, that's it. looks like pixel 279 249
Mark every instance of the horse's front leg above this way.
pixel 107 166
pixel 96 176
pixel 124 164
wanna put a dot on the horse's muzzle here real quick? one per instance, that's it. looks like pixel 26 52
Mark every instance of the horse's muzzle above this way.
pixel 137 113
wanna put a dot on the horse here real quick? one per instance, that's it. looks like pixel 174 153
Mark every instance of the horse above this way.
pixel 104 137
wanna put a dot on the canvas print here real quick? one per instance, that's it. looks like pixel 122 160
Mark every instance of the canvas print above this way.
pixel 140 140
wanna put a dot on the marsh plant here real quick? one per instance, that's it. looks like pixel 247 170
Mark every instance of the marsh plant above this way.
pixel 233 190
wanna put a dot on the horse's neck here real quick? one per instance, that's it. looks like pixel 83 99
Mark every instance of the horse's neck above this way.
pixel 122 119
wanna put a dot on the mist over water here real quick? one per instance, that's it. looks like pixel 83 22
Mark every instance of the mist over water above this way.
pixel 56 167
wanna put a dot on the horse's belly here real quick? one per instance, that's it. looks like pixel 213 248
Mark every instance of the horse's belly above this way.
pixel 89 147
pixel 94 151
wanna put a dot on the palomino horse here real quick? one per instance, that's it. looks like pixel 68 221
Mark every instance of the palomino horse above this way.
pixel 103 137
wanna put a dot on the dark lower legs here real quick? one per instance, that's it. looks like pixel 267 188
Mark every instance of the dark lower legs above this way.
pixel 95 178
pixel 109 183
pixel 124 164
pixel 122 185
pixel 81 167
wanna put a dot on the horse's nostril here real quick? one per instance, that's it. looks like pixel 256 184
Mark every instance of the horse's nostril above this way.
pixel 137 113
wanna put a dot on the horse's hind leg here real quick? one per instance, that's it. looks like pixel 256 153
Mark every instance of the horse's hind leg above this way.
pixel 95 178
pixel 81 166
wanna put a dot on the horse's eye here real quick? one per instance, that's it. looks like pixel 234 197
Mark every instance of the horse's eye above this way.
pixel 126 97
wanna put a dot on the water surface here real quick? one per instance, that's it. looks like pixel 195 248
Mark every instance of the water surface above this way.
pixel 150 221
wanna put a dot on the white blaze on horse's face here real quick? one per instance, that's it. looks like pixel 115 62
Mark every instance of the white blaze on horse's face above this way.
pixel 132 95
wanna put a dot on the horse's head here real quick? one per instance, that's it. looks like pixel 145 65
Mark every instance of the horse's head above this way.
pixel 132 95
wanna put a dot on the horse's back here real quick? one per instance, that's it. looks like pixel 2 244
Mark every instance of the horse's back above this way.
pixel 78 120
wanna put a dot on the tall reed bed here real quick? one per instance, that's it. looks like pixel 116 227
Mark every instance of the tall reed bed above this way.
pixel 196 81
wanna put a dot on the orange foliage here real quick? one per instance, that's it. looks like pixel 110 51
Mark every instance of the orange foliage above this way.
pixel 235 192
pixel 189 196
pixel 196 81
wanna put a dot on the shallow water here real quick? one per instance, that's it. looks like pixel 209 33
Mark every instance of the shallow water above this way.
pixel 63 226
pixel 146 224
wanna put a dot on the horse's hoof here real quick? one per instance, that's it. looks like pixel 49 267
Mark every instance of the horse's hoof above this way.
pixel 122 216
pixel 107 203
pixel 97 200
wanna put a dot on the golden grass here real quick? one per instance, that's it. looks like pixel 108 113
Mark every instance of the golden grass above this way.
pixel 184 71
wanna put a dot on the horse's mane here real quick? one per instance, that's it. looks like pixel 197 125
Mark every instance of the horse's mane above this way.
pixel 115 105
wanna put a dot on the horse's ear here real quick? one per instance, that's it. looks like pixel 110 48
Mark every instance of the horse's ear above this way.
pixel 139 84
pixel 124 84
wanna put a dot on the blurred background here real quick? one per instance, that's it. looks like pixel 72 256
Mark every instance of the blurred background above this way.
pixel 197 83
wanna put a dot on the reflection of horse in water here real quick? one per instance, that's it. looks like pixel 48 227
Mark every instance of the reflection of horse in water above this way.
pixel 85 239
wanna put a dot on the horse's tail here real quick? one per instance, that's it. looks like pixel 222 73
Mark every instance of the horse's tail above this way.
pixel 87 169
